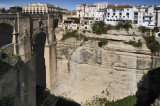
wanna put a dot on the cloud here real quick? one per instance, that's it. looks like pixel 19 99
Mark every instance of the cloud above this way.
pixel 3 5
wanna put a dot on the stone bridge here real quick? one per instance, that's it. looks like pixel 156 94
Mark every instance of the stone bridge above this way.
pixel 32 38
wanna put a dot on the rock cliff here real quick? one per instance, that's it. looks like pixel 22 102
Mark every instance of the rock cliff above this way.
pixel 85 70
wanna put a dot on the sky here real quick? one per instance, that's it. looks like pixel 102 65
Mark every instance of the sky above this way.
pixel 71 4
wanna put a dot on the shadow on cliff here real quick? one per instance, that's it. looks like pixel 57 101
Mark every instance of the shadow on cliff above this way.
pixel 45 98
pixel 148 88
pixel 58 101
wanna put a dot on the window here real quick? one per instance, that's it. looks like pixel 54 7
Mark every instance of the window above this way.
pixel 114 14
pixel 127 9
pixel 107 19
pixel 108 13
pixel 135 22
pixel 120 13
pixel 135 13
pixel 127 13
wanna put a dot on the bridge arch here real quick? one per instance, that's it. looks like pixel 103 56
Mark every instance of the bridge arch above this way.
pixel 39 42
pixel 6 31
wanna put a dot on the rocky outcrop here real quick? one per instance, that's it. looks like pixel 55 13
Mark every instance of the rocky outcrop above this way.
pixel 85 70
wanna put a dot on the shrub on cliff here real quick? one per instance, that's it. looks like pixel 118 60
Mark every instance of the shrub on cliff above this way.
pixel 99 27
pixel 134 43
pixel 152 44
pixel 7 101
pixel 127 101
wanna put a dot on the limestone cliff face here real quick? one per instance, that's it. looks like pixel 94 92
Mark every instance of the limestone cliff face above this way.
pixel 85 70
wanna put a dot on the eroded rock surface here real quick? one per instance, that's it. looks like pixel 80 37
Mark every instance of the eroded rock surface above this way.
pixel 85 70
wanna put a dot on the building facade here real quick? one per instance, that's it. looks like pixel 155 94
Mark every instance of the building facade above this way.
pixel 42 8
pixel 144 16
pixel 157 15
pixel 115 13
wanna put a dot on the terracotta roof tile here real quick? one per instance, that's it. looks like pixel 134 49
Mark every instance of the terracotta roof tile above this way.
pixel 84 4
pixel 91 6
pixel 118 6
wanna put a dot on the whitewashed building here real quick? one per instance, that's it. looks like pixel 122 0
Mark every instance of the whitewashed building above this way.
pixel 157 15
pixel 42 8
pixel 115 13
pixel 148 16
pixel 81 10
pixel 101 10
pixel 144 16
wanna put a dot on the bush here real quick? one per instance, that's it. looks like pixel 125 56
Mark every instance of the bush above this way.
pixel 7 101
pixel 101 42
pixel 69 35
pixel 41 94
pixel 134 43
pixel 99 27
pixel 152 44
pixel 127 101
pixel 77 20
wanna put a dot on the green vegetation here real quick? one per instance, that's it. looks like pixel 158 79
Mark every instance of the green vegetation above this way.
pixel 127 101
pixel 9 57
pixel 41 94
pixel 7 101
pixel 99 27
pixel 152 44
pixel 74 34
pixel 134 43
pixel 119 25
pixel 143 29
pixel 68 99
pixel 3 10
pixel 77 20
pixel 125 24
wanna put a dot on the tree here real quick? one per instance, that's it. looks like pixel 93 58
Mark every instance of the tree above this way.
pixel 3 10
pixel 127 25
pixel 119 25
pixel 154 30
pixel 99 27
pixel 142 29
pixel 77 20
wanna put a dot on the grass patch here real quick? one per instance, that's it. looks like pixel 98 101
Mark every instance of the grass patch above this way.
pixel 127 101
pixel 152 44
pixel 74 34
pixel 134 43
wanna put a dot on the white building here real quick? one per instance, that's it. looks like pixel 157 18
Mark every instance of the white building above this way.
pixel 118 12
pixel 157 15
pixel 101 5
pixel 148 16
pixel 85 10
pixel 91 11
pixel 101 10
pixel 81 10
pixel 42 8
pixel 144 16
